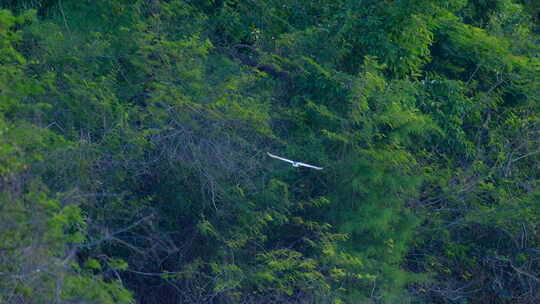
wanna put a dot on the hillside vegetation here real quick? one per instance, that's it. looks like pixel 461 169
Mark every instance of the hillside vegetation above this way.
pixel 134 138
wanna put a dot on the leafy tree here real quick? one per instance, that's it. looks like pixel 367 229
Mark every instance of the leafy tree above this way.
pixel 133 140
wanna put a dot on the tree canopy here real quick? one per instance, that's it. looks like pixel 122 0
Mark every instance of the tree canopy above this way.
pixel 134 138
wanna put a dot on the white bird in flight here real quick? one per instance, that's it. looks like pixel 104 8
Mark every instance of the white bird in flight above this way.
pixel 294 163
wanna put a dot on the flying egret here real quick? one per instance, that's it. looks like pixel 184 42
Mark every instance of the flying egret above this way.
pixel 294 163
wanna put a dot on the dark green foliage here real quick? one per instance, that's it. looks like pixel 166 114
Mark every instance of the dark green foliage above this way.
pixel 133 140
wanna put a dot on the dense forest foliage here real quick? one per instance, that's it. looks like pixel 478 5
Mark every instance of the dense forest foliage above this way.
pixel 134 138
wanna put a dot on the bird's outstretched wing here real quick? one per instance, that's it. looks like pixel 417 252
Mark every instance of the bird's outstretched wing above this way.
pixel 309 166
pixel 281 158
pixel 294 163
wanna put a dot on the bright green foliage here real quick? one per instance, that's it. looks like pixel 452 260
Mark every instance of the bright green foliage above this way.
pixel 39 231
pixel 134 133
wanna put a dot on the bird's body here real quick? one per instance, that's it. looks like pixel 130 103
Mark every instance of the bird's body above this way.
pixel 294 163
